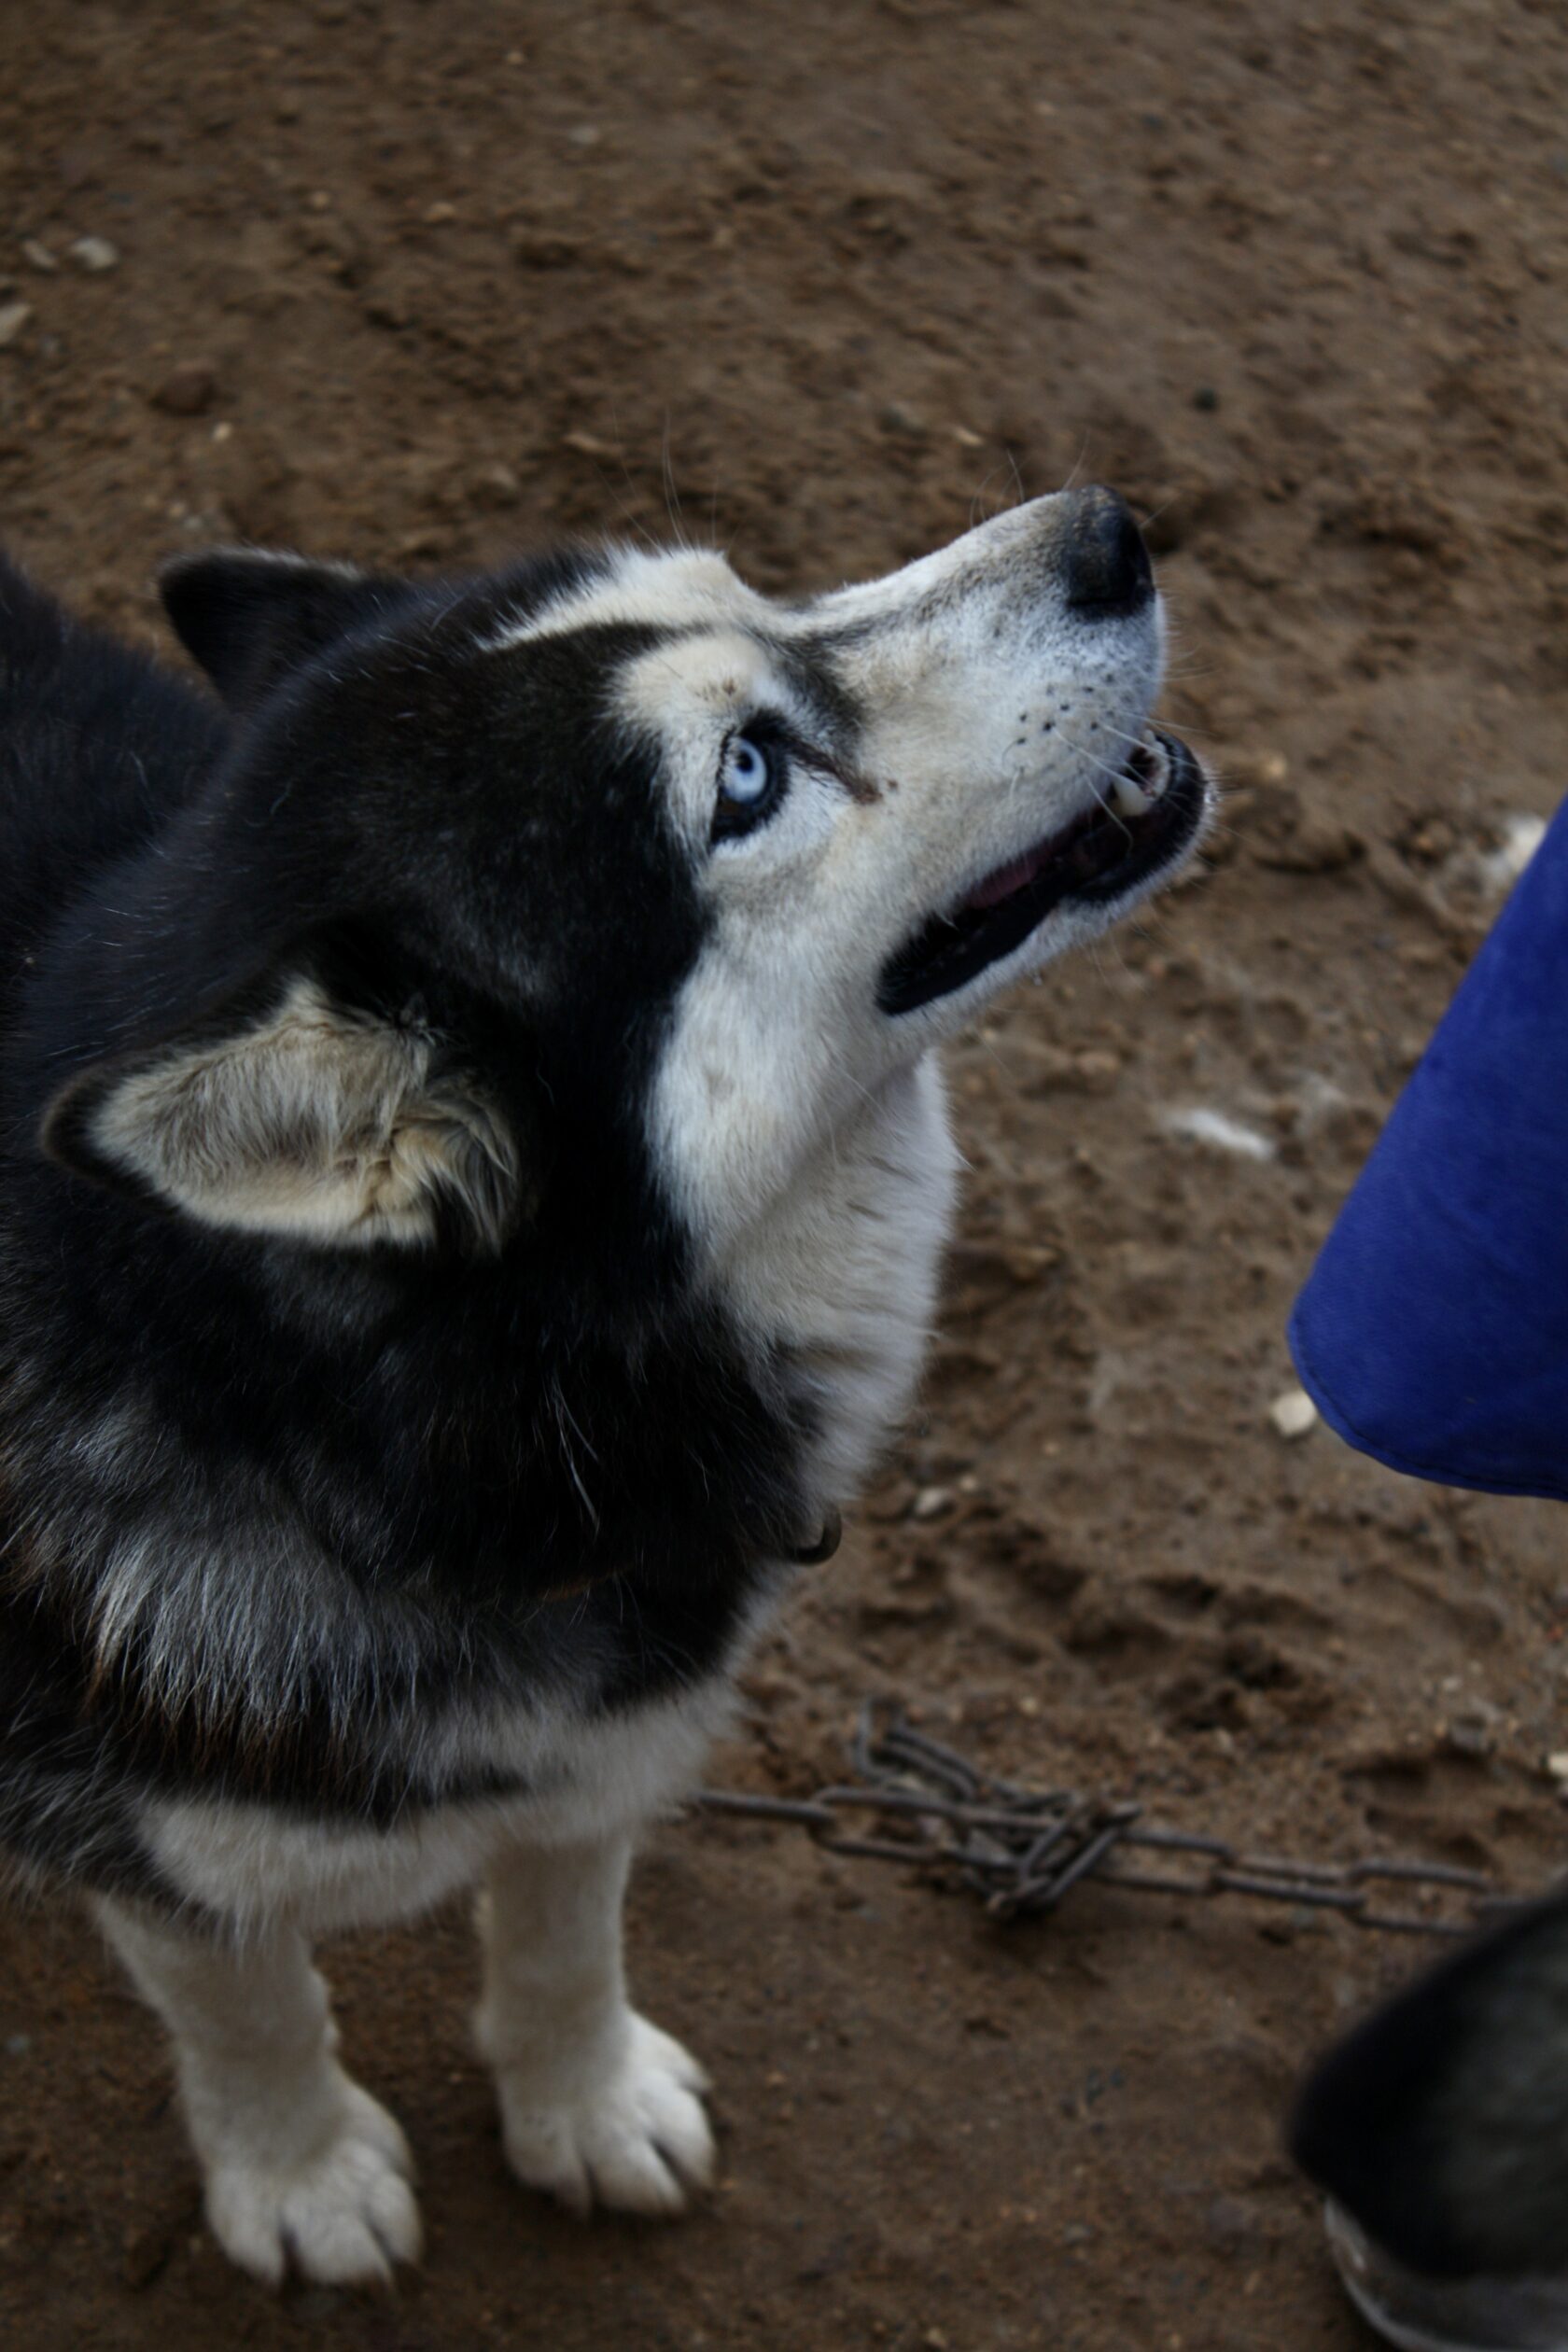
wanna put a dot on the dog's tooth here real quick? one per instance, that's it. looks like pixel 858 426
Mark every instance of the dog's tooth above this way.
pixel 1130 799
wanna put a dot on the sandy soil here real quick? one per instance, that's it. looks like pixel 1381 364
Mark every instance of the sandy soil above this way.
pixel 421 284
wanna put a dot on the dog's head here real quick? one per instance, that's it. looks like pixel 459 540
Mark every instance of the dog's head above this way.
pixel 605 878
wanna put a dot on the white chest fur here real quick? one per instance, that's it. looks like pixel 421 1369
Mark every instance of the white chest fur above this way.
pixel 253 1865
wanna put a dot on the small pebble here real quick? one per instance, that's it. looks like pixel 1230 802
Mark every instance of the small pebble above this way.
pixel 1294 1413
pixel 497 485
pixel 187 390
pixel 94 254
pixel 932 1502
pixel 13 318
pixel 37 256
pixel 1558 1765
pixel 1097 1073
pixel 1500 868
pixel 895 416
pixel 1219 1132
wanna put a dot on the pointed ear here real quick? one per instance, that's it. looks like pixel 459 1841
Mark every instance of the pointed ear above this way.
pixel 307 1122
pixel 249 617
pixel 1440 2123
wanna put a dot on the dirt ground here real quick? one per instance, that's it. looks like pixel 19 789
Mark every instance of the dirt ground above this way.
pixel 422 284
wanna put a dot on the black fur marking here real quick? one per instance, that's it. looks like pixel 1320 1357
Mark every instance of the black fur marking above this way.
pixel 271 1511
pixel 813 675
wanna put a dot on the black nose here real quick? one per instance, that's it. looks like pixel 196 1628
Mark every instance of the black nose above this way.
pixel 1105 564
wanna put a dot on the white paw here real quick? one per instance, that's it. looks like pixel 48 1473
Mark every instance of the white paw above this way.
pixel 339 2209
pixel 635 2134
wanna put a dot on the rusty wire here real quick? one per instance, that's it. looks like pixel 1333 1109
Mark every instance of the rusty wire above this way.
pixel 1023 1850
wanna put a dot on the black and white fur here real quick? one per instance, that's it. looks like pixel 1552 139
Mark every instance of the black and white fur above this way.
pixel 472 1180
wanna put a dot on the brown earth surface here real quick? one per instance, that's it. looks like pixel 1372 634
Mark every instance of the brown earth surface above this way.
pixel 421 284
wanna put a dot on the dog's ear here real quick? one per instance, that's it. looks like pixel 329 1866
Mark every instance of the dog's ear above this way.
pixel 249 617
pixel 304 1121
pixel 1440 2123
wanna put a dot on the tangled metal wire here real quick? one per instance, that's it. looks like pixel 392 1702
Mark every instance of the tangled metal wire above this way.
pixel 1023 1850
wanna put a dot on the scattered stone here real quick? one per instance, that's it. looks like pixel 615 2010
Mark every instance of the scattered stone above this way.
pixel 1218 1130
pixel 495 487
pixel 1294 1413
pixel 931 1502
pixel 896 418
pixel 1097 1072
pixel 187 389
pixel 436 214
pixel 1557 1765
pixel 94 254
pixel 38 256
pixel 1045 1068
pixel 13 318
pixel 1500 868
pixel 1027 1261
pixel 1471 1734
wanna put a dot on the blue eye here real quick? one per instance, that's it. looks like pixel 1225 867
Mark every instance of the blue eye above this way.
pixel 751 776
pixel 746 771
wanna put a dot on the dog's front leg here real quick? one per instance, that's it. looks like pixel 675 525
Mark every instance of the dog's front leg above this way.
pixel 596 2103
pixel 299 2163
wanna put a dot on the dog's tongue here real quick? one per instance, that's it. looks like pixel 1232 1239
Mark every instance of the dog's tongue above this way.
pixel 1008 878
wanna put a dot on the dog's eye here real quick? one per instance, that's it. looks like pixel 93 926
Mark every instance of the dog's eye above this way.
pixel 746 771
pixel 750 785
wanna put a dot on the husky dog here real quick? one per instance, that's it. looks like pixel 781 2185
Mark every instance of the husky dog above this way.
pixel 473 1178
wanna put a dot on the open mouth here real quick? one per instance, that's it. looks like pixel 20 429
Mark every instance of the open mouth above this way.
pixel 1148 821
